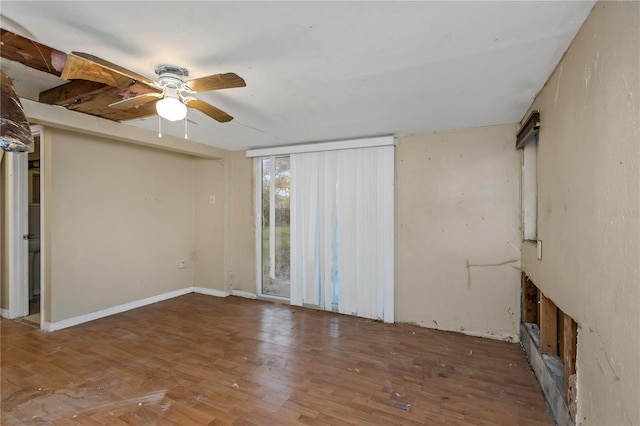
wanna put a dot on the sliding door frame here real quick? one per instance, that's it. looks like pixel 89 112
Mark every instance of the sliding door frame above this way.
pixel 257 203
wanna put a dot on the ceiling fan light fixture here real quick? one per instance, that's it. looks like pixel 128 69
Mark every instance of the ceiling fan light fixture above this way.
pixel 171 109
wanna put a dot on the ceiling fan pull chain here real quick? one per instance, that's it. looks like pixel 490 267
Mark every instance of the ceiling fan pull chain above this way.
pixel 185 125
pixel 159 126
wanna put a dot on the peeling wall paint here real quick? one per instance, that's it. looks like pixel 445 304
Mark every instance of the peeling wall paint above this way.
pixel 457 231
pixel 589 208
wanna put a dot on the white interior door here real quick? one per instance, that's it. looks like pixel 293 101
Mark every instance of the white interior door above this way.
pixel 18 231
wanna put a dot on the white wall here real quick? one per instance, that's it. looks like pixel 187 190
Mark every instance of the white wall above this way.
pixel 589 208
pixel 458 231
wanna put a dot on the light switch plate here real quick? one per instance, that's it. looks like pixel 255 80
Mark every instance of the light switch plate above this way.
pixel 539 246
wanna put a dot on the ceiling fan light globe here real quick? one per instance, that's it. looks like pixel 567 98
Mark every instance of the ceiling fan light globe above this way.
pixel 171 109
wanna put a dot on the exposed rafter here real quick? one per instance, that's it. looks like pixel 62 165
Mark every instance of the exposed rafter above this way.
pixel 94 98
pixel 31 53
pixel 89 97
pixel 73 92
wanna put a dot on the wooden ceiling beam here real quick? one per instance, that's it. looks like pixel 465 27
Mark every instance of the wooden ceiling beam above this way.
pixel 73 92
pixel 90 97
pixel 95 105
pixel 99 106
pixel 94 98
pixel 32 54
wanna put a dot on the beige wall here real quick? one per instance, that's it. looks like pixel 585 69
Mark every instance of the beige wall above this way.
pixel 225 247
pixel 457 231
pixel 121 218
pixel 240 244
pixel 457 220
pixel 210 229
pixel 588 208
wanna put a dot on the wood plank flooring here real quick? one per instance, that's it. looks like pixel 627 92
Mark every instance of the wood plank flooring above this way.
pixel 202 360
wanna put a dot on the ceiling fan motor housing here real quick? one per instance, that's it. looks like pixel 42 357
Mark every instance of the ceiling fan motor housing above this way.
pixel 172 69
pixel 172 77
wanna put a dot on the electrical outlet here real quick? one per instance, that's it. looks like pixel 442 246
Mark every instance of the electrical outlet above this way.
pixel 182 264
pixel 212 199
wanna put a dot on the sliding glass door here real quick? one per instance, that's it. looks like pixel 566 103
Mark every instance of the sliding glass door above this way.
pixel 275 212
pixel 342 231
pixel 324 225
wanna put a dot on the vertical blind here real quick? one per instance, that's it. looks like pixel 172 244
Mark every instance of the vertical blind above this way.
pixel 342 222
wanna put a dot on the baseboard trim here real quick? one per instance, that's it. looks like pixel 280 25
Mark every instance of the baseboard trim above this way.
pixel 211 292
pixel 499 335
pixel 4 313
pixel 80 319
pixel 244 294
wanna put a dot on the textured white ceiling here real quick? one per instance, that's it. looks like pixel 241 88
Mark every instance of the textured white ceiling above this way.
pixel 319 71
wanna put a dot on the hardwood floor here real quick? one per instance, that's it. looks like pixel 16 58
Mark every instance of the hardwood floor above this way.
pixel 198 360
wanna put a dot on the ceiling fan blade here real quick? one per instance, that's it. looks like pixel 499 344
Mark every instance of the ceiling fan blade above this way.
pixel 210 110
pixel 142 111
pixel 88 67
pixel 216 82
pixel 136 101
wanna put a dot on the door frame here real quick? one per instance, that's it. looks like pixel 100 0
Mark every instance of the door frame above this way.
pixel 18 226
pixel 257 203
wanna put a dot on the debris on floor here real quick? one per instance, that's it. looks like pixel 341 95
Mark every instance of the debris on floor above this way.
pixel 405 407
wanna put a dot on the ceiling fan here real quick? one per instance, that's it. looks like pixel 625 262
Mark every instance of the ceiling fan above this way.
pixel 171 92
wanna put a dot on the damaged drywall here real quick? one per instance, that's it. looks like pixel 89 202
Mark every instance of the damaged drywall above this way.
pixel 458 231
pixel 589 208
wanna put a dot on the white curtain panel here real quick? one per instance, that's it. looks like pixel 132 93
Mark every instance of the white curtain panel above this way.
pixel 342 231
pixel 305 228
